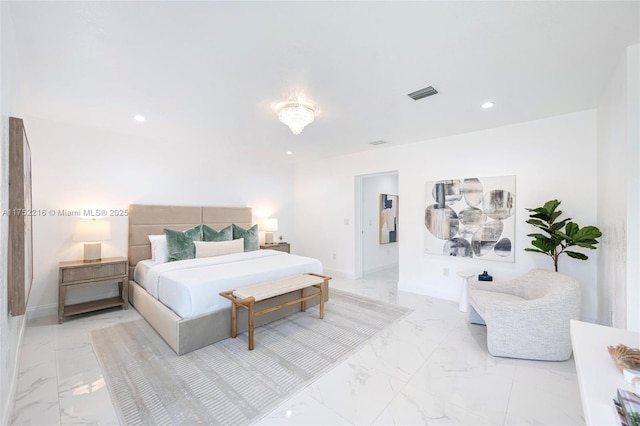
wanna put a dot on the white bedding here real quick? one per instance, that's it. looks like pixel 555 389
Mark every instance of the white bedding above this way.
pixel 191 287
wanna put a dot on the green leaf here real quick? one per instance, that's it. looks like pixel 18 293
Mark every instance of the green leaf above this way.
pixel 571 229
pixel 544 244
pixel 534 250
pixel 537 236
pixel 559 225
pixel 553 216
pixel 536 222
pixel 586 233
pixel 585 245
pixel 577 255
pixel 550 206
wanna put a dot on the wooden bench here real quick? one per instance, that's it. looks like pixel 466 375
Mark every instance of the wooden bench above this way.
pixel 247 297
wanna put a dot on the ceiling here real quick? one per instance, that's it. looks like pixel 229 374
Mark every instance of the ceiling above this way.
pixel 211 72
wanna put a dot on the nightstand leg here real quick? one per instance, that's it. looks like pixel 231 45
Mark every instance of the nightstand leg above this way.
pixel 62 291
pixel 125 293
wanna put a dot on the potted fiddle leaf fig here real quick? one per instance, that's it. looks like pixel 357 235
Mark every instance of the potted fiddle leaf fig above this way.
pixel 559 234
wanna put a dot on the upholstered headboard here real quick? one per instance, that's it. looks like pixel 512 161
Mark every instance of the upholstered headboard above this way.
pixel 145 220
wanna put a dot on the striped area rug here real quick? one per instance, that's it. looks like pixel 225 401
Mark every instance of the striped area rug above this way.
pixel 225 383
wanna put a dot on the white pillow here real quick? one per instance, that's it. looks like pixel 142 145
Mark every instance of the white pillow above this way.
pixel 159 248
pixel 218 248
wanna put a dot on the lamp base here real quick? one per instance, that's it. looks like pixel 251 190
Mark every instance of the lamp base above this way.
pixel 92 252
pixel 268 237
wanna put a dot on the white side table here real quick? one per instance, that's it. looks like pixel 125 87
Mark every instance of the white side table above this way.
pixel 465 275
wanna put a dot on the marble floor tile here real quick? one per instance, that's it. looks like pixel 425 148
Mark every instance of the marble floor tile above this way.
pixel 354 391
pixel 302 409
pixel 545 393
pixel 432 367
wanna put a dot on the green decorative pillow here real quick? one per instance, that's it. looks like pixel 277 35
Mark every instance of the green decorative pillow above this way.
pixel 251 240
pixel 180 243
pixel 210 234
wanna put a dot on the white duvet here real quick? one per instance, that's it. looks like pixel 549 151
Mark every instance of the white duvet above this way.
pixel 191 287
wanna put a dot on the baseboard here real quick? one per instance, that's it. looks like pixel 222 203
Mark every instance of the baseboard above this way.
pixel 379 269
pixel 42 311
pixel 338 274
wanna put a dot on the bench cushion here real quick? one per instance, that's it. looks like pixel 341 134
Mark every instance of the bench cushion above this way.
pixel 277 287
pixel 480 299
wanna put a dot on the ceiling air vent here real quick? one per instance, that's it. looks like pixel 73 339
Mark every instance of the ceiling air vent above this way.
pixel 375 143
pixel 422 93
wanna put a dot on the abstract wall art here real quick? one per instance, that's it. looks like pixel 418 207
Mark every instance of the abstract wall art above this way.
pixel 471 217
pixel 20 253
pixel 388 218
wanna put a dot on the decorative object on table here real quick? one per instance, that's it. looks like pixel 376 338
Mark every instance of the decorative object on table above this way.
pixel 388 218
pixel 484 276
pixel 20 231
pixel 628 407
pixel 280 238
pixel 624 356
pixel 471 217
pixel 631 375
pixel 269 226
pixel 560 235
pixel 92 231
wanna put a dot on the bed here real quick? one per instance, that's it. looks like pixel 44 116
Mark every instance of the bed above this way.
pixel 180 300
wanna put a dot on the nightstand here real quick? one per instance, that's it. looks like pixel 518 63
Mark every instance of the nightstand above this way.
pixel 80 274
pixel 285 247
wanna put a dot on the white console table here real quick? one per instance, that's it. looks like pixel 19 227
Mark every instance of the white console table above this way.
pixel 598 376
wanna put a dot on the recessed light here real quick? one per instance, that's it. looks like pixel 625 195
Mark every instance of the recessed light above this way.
pixel 289 152
pixel 487 105
pixel 139 118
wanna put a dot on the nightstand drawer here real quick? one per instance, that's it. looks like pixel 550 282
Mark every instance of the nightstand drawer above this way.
pixel 92 272
pixel 285 247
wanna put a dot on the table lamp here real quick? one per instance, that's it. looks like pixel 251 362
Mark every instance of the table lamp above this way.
pixel 269 225
pixel 92 231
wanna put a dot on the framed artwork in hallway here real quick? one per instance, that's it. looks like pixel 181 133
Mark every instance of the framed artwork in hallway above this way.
pixel 388 219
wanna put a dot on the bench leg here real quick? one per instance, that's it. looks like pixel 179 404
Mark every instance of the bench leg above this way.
pixel 303 304
pixel 234 320
pixel 251 314
pixel 322 287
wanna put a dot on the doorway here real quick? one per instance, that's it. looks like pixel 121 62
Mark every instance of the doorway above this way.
pixel 375 253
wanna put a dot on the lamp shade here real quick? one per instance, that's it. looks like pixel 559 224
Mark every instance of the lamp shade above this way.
pixel 92 230
pixel 270 224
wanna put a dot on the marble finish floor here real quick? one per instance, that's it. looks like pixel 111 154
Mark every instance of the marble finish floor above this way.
pixel 430 368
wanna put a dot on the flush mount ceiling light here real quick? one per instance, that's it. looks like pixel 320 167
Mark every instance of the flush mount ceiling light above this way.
pixel 296 113
pixel 139 118
pixel 487 105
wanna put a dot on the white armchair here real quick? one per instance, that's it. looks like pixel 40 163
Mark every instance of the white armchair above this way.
pixel 527 317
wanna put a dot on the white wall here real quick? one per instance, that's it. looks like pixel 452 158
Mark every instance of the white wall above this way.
pixel 376 256
pixel 11 328
pixel 618 199
pixel 551 158
pixel 633 192
pixel 83 168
